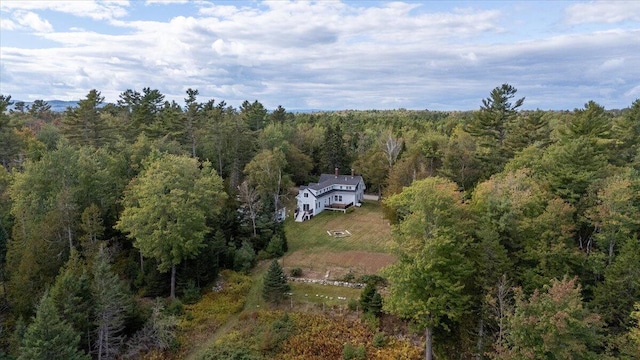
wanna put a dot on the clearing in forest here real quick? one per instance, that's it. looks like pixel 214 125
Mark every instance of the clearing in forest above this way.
pixel 321 255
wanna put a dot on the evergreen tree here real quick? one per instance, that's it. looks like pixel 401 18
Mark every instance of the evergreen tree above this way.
pixel 84 125
pixel 275 284
pixel 49 337
pixel 110 307
pixel 490 126
pixel 72 295
pixel 334 150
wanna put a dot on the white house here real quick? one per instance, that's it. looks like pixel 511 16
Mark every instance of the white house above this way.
pixel 332 192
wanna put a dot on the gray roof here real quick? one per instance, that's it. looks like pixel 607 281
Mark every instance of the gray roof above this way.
pixel 332 179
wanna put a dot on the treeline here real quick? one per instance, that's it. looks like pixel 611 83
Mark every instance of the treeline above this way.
pixel 158 197
pixel 531 249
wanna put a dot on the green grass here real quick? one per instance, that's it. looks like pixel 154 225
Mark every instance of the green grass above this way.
pixel 305 293
pixel 369 231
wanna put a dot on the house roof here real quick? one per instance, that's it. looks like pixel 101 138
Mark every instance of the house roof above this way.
pixel 332 179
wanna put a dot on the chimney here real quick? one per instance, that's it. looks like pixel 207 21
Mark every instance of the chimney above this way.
pixel 336 170
pixel 352 173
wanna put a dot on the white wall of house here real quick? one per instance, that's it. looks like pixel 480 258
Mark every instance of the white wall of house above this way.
pixel 315 201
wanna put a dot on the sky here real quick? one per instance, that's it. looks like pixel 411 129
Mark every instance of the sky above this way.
pixel 325 55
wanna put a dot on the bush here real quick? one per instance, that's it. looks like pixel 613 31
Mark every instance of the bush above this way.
pixel 296 272
pixel 348 351
pixel 244 258
pixel 349 277
pixel 351 353
pixel 175 307
pixel 379 340
pixel 353 304
pixel 191 293
pixel 372 279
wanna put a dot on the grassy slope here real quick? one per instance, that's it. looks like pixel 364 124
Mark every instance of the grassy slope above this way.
pixel 370 237
pixel 369 231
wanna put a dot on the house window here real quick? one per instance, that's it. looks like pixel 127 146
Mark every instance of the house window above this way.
pixel 306 195
pixel 338 198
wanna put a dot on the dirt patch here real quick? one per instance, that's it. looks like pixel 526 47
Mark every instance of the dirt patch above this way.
pixel 334 266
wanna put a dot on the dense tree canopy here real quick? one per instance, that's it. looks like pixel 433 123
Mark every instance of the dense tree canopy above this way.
pixel 481 203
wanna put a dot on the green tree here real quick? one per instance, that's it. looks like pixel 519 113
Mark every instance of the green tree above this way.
pixel 552 324
pixel 491 124
pixel 428 280
pixel 615 296
pixel 141 111
pixel 192 115
pixel 50 337
pixel 459 162
pixel 254 114
pixel 615 215
pixel 371 300
pixel 626 132
pixel 71 293
pixel 334 151
pixel 84 125
pixel 166 209
pixel 275 285
pixel 266 173
pixel 111 303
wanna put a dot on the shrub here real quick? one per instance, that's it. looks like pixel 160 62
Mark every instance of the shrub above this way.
pixel 349 277
pixel 372 279
pixel 175 307
pixel 191 293
pixel 348 351
pixel 352 304
pixel 379 340
pixel 296 272
pixel 351 353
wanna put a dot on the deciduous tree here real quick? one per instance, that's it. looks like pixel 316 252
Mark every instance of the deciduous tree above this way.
pixel 166 209
pixel 428 280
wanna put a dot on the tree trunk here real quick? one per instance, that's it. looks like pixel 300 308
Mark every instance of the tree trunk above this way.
pixel 428 353
pixel 173 281
pixel 480 344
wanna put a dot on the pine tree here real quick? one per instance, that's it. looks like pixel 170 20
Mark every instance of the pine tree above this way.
pixel 491 125
pixel 275 284
pixel 49 337
pixel 72 295
pixel 111 305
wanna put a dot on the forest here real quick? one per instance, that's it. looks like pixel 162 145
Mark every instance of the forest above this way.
pixel 516 232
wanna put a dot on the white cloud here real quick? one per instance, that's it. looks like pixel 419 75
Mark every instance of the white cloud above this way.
pixel 97 10
pixel 165 2
pixel 31 20
pixel 7 24
pixel 602 12
pixel 329 54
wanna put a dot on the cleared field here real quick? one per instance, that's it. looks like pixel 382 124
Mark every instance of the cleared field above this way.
pixel 364 249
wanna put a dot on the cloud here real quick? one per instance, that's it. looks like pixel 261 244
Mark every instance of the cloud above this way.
pixel 165 2
pixel 33 21
pixel 602 12
pixel 329 55
pixel 97 10
pixel 7 24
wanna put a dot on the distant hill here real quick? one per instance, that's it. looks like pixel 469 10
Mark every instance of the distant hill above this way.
pixel 56 105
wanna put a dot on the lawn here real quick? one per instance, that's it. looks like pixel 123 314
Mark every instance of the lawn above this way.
pixel 370 231
pixel 322 256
